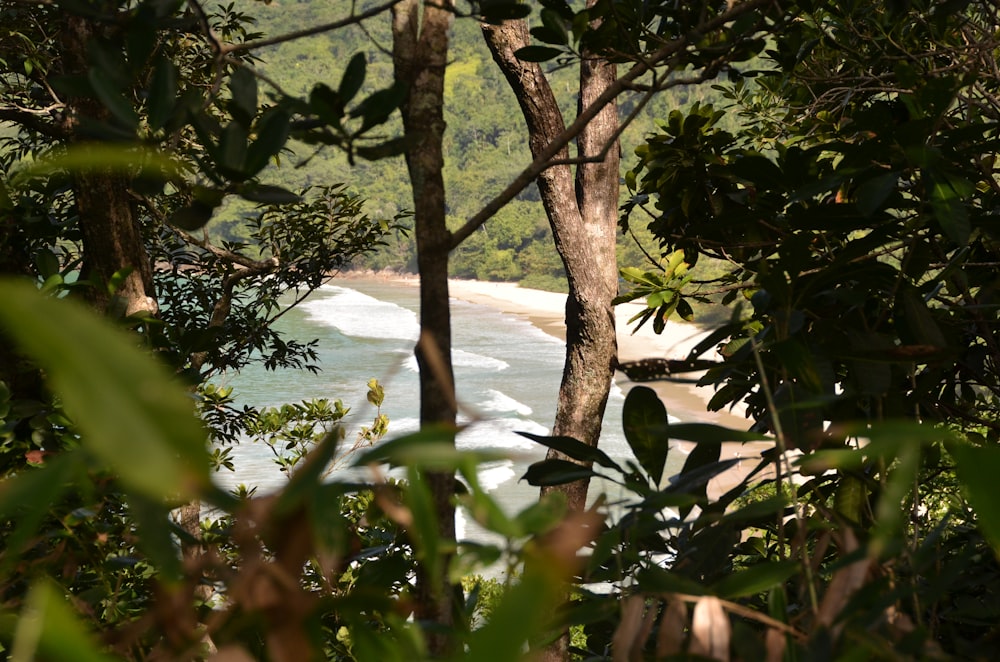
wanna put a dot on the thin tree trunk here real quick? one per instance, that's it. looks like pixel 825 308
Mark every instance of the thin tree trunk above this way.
pixel 420 54
pixel 583 213
pixel 583 216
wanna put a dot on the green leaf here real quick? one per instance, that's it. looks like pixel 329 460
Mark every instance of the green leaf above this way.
pixel 644 419
pixel 537 53
pixel 575 449
pixel 353 79
pixel 549 36
pixel 270 195
pixel 162 93
pixel 27 496
pixel 914 320
pixel 657 580
pixel 110 95
pixel 49 630
pixel 243 88
pixel 755 579
pixel 233 150
pixel 875 191
pixel 977 468
pixel 711 433
pixel 432 447
pixel 498 11
pixel 556 472
pixel 383 150
pixel 192 217
pixel 272 134
pixel 131 414
pixel 155 536
pixel 378 106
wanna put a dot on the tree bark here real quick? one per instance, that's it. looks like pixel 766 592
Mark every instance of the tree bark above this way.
pixel 583 213
pixel 420 55
pixel 112 237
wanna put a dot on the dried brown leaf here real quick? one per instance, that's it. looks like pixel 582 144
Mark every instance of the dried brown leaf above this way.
pixel 775 642
pixel 629 627
pixel 710 629
pixel 844 584
pixel 672 624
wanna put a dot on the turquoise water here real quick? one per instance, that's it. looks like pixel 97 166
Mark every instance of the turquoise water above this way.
pixel 507 376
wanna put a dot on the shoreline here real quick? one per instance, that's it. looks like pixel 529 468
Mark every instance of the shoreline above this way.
pixel 546 311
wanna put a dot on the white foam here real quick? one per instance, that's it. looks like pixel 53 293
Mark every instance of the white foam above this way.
pixel 492 477
pixel 361 316
pixel 462 359
pixel 499 402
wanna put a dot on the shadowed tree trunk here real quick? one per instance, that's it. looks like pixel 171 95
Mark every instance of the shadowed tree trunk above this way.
pixel 112 238
pixel 420 54
pixel 583 212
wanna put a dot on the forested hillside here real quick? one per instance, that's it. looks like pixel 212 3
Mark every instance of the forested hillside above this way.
pixel 486 143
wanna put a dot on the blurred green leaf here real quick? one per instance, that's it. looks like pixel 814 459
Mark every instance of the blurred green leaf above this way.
pixel 755 579
pixel 872 193
pixel 162 93
pixel 243 88
pixel 711 433
pixel 978 468
pixel 272 134
pixel 498 11
pixel 110 95
pixel 267 194
pixel 49 630
pixel 26 497
pixel 131 414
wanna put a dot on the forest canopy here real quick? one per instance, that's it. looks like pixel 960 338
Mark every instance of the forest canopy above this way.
pixel 174 175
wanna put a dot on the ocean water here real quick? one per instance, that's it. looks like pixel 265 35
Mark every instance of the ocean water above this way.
pixel 507 375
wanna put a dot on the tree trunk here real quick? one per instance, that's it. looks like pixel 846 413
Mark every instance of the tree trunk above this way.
pixel 112 238
pixel 420 54
pixel 583 214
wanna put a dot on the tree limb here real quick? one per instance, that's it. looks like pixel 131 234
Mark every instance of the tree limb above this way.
pixel 543 160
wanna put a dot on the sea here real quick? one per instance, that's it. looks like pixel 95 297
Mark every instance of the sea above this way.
pixel 507 374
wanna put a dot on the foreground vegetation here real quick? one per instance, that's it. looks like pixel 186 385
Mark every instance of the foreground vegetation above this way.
pixel 855 207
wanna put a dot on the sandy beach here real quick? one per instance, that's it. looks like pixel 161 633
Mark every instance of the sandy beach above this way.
pixel 687 402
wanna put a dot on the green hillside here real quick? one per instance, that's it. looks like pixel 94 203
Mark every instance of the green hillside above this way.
pixel 486 142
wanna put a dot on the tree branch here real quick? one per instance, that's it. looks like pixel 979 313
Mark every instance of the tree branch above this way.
pixel 543 160
pixel 34 120
pixel 228 49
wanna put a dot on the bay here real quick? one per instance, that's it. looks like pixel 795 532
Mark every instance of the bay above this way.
pixel 507 375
